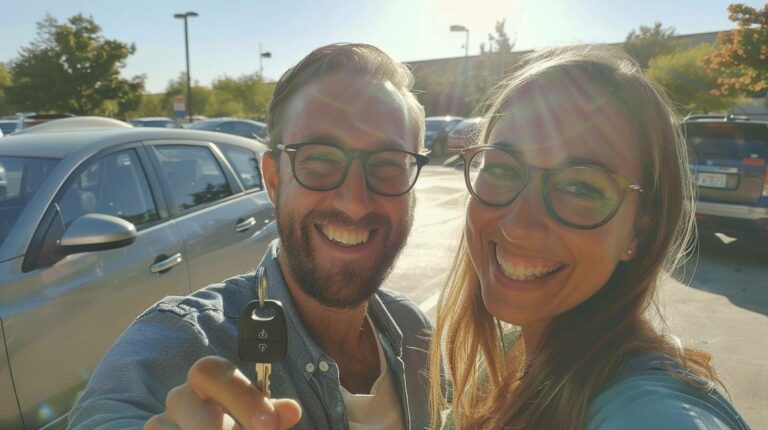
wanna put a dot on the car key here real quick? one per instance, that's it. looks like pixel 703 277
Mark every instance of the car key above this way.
pixel 263 334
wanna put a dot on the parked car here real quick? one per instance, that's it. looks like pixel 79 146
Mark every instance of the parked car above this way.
pixel 729 164
pixel 7 126
pixel 26 120
pixel 436 137
pixel 157 121
pixel 465 133
pixel 97 226
pixel 239 127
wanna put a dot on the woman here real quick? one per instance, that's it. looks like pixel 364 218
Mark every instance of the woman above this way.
pixel 581 205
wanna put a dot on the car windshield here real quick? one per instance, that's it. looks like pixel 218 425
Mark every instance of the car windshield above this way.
pixel 19 180
pixel 151 123
pixel 205 125
pixel 436 125
pixel 728 140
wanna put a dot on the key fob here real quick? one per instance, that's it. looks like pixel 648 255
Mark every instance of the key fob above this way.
pixel 263 333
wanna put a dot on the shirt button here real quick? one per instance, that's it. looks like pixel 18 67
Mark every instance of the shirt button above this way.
pixel 310 368
pixel 324 366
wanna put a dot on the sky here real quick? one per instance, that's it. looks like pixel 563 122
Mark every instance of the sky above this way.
pixel 224 39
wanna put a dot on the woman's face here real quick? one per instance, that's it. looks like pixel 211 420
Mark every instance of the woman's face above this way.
pixel 532 267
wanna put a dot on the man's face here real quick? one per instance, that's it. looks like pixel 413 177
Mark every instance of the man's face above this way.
pixel 340 245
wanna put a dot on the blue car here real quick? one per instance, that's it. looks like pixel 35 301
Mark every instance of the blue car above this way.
pixel 729 163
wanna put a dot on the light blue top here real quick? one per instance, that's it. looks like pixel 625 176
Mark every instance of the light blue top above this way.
pixel 154 354
pixel 647 396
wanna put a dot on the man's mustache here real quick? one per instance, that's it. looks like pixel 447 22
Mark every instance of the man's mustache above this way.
pixel 369 221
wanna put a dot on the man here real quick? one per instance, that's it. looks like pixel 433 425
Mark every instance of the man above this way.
pixel 345 132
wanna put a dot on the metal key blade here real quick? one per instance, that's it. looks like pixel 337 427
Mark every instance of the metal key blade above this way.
pixel 263 371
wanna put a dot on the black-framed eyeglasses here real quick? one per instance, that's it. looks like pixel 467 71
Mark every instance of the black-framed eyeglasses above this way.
pixel 579 196
pixel 324 167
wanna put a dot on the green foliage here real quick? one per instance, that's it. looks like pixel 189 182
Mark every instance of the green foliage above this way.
pixel 649 42
pixel 151 105
pixel 688 83
pixel 741 57
pixel 72 68
pixel 247 96
pixel 5 81
pixel 178 87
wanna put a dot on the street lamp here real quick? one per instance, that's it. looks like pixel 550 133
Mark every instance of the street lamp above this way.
pixel 262 55
pixel 460 28
pixel 184 16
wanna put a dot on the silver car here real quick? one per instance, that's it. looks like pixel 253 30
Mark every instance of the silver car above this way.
pixel 96 226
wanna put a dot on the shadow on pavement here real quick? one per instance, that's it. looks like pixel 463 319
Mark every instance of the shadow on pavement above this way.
pixel 734 270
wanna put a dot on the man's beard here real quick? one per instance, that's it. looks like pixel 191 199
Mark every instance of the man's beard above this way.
pixel 345 285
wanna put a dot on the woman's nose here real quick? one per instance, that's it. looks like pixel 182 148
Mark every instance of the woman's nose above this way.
pixel 527 214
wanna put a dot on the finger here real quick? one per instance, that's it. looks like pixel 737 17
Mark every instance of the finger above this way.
pixel 160 422
pixel 289 412
pixel 190 412
pixel 219 381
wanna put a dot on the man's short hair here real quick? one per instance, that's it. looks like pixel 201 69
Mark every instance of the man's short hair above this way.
pixel 367 60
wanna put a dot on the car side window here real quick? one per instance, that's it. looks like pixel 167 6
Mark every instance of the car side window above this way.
pixel 115 185
pixel 246 165
pixel 193 174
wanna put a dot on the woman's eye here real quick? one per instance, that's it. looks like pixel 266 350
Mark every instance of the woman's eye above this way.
pixel 583 189
pixel 502 171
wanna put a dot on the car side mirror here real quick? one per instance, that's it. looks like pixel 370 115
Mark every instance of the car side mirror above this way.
pixel 97 232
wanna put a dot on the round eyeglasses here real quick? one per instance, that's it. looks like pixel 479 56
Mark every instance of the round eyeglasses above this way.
pixel 579 196
pixel 324 167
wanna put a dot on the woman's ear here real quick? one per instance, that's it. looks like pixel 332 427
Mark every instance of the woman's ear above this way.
pixel 642 227
pixel 271 175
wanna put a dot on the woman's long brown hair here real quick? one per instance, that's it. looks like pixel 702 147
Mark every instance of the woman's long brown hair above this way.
pixel 584 348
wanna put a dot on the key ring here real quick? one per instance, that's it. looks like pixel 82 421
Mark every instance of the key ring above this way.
pixel 262 286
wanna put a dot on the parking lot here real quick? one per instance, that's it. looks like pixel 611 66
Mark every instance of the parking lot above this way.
pixel 719 302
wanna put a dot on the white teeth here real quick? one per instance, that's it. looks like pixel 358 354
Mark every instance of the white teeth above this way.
pixel 524 271
pixel 345 236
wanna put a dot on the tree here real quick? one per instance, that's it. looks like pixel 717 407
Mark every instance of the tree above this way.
pixel 178 87
pixel 688 83
pixel 5 81
pixel 72 68
pixel 741 56
pixel 649 42
pixel 246 96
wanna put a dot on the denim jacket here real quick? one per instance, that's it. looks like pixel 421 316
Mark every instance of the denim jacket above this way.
pixel 153 356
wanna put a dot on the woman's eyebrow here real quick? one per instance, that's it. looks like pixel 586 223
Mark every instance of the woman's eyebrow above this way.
pixel 575 160
pixel 572 160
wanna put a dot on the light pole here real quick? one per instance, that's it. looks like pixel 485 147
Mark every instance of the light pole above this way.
pixel 460 28
pixel 184 16
pixel 262 55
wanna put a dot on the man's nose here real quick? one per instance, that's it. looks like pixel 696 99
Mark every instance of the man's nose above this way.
pixel 353 196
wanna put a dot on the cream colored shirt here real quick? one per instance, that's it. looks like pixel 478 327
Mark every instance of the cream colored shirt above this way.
pixel 379 410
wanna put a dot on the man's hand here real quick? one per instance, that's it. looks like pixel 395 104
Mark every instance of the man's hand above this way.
pixel 218 396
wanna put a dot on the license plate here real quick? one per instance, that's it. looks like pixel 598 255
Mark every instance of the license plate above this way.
pixel 710 180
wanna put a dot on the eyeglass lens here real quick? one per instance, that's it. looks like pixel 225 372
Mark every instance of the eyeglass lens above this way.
pixel 324 167
pixel 579 195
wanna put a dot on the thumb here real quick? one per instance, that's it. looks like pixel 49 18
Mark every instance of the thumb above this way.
pixel 289 412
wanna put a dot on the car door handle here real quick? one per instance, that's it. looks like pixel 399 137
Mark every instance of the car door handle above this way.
pixel 166 264
pixel 245 225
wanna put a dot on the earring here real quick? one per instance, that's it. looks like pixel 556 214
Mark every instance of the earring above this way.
pixel 629 251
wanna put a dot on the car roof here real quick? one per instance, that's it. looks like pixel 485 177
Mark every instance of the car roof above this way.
pixel 153 118
pixel 61 144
